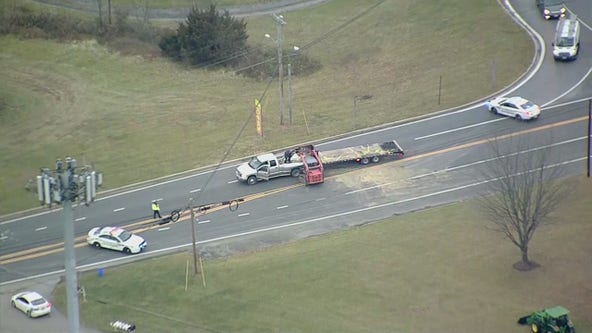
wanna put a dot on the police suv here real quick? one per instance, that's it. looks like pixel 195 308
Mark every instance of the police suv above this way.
pixel 566 44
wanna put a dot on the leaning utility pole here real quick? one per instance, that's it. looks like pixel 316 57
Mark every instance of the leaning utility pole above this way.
pixel 64 186
pixel 279 22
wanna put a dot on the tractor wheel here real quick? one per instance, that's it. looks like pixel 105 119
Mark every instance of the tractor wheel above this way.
pixel 364 161
pixel 534 327
pixel 375 159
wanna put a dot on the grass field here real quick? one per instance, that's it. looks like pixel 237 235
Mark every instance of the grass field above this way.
pixel 137 118
pixel 438 270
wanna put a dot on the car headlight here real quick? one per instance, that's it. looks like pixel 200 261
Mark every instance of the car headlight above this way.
pixel 546 11
pixel 563 10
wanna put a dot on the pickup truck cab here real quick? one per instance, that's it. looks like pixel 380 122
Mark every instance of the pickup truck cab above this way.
pixel 265 167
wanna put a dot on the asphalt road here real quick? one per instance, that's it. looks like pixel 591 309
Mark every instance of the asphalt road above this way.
pixel 445 154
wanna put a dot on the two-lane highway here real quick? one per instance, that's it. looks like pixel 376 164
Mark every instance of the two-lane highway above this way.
pixel 444 154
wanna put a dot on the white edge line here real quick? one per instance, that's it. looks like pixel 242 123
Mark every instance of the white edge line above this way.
pixel 281 207
pixel 202 222
pixel 570 89
pixel 163 229
pixel 244 214
pixel 246 233
pixel 437 114
pixel 119 209
pixel 460 128
pixel 41 228
pixel 80 219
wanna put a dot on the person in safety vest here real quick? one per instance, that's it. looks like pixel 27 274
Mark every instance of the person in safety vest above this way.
pixel 155 210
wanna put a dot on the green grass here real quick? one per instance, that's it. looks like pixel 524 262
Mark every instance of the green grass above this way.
pixel 438 270
pixel 137 118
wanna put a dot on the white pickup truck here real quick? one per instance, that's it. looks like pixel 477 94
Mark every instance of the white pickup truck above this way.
pixel 265 167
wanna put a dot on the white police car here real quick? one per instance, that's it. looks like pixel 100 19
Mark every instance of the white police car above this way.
pixel 115 238
pixel 515 107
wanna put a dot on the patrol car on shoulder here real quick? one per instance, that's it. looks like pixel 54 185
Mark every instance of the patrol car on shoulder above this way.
pixel 115 238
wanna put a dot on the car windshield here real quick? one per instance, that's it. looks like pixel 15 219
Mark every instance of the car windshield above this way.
pixel 38 301
pixel 125 235
pixel 527 105
pixel 565 42
pixel 553 2
pixel 254 163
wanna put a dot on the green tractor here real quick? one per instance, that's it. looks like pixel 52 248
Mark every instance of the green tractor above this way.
pixel 551 320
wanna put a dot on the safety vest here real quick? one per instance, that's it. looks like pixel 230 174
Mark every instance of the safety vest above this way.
pixel 155 206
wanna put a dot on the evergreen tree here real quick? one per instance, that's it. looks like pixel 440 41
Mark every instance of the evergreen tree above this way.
pixel 207 37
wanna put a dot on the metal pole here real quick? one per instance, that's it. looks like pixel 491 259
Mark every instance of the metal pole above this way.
pixel 439 89
pixel 70 259
pixel 493 74
pixel 589 132
pixel 290 105
pixel 279 24
pixel 193 238
pixel 355 111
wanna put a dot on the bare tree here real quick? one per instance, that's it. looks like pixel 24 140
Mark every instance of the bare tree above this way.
pixel 522 190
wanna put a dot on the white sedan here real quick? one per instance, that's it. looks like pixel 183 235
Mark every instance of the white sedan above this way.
pixel 115 238
pixel 515 107
pixel 31 303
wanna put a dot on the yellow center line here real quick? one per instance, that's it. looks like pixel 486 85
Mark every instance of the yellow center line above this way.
pixel 186 215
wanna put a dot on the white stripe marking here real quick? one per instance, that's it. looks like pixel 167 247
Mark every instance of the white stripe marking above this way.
pixel 40 228
pixel 257 231
pixel 320 199
pixel 196 190
pixel 233 181
pixel 282 207
pixel 80 219
pixel 460 128
pixel 3 237
pixel 244 214
pixel 206 221
pixel 119 209
pixel 163 229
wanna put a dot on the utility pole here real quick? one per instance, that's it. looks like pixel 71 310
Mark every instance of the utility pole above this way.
pixel 64 186
pixel 279 22
pixel 290 104
pixel 195 270
pixel 589 130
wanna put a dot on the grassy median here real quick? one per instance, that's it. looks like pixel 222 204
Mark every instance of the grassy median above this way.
pixel 136 118
pixel 438 270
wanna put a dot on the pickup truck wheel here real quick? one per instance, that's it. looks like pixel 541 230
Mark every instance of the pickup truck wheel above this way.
pixel 295 172
pixel 364 161
pixel 375 159
pixel 252 180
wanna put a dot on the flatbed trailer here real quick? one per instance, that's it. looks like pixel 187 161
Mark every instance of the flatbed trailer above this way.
pixel 312 162
pixel 362 154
